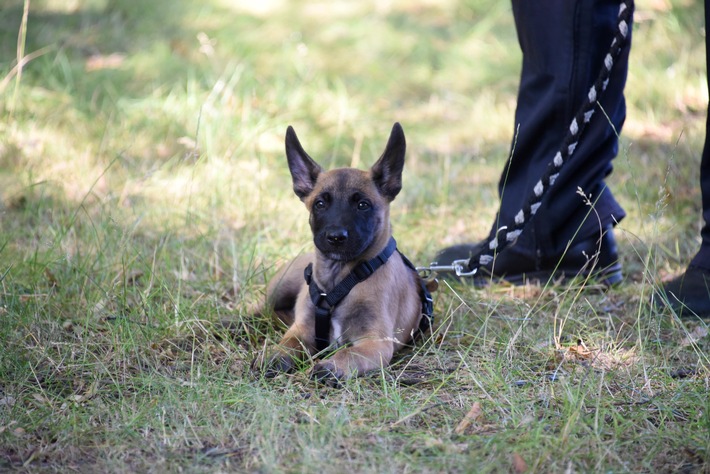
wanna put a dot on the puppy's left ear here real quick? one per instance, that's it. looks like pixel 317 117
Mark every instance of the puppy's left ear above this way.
pixel 387 171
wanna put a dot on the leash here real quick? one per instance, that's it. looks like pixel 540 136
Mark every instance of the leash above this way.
pixel 510 232
pixel 325 303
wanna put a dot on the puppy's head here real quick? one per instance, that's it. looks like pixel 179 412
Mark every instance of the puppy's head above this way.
pixel 349 208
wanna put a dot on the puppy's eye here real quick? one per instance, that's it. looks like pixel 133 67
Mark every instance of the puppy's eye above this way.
pixel 319 205
pixel 363 205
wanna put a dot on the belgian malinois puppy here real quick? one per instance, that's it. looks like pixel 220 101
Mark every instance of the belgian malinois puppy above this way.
pixel 379 294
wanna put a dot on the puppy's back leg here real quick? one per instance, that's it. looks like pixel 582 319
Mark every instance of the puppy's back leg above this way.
pixel 283 289
pixel 281 296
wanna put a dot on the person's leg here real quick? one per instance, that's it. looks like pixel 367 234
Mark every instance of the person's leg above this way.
pixel 702 258
pixel 564 44
pixel 689 294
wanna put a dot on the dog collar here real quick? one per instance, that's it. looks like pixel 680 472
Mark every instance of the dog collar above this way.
pixel 325 303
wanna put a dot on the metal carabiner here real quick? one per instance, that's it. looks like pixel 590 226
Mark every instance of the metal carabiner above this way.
pixel 457 266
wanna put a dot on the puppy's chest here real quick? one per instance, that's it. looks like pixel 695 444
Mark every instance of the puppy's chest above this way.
pixel 336 333
pixel 351 321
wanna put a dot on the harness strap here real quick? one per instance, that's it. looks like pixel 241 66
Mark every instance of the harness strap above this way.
pixel 325 302
pixel 510 232
pixel 427 318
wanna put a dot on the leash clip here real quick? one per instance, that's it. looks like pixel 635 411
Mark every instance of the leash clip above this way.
pixel 459 267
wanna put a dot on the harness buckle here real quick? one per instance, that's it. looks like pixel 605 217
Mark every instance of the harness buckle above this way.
pixel 322 303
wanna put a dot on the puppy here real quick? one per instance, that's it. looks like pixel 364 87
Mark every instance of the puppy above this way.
pixel 355 299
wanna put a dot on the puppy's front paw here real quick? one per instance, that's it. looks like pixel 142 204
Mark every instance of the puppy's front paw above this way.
pixel 272 366
pixel 327 373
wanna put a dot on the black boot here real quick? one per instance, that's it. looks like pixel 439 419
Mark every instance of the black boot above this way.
pixel 688 294
pixel 595 256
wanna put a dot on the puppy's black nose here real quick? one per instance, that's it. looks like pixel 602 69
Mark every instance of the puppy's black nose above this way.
pixel 337 236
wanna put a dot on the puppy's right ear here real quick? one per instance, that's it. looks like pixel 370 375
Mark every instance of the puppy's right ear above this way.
pixel 304 171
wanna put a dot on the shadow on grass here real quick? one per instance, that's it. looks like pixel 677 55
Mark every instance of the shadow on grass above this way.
pixel 100 50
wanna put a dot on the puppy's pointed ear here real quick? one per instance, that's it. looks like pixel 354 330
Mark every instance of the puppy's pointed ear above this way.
pixel 304 171
pixel 387 171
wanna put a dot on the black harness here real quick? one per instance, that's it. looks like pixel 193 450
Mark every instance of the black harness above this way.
pixel 325 303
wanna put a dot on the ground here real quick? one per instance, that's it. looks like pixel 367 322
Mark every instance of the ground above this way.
pixel 145 199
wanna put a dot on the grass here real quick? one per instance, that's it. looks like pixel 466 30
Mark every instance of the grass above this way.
pixel 144 197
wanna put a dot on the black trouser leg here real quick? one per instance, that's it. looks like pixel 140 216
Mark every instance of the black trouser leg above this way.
pixel 564 43
pixel 702 258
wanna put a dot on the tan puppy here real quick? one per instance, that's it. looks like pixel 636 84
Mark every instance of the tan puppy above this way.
pixel 381 300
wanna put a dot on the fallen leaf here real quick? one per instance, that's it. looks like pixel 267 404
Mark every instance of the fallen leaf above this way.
pixel 694 336
pixel 12 423
pixel 187 142
pixel 7 401
pixel 519 464
pixel 471 417
pixel 53 282
pixel 39 398
pixel 659 5
pixel 99 61
pixel 581 351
